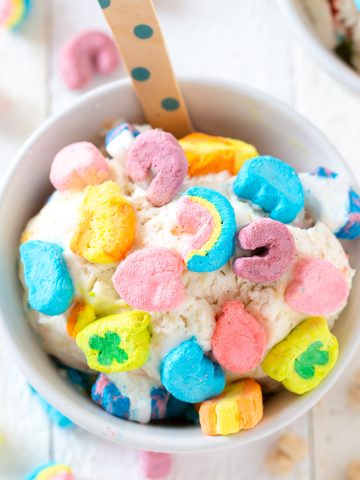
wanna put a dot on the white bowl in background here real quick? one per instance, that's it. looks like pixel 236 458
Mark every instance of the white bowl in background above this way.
pixel 216 107
pixel 309 21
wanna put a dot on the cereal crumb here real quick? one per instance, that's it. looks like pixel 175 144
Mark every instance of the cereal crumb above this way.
pixel 278 463
pixel 353 471
pixel 293 446
pixel 290 448
pixel 354 391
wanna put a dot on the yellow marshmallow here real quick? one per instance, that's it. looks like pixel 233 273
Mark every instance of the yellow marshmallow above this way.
pixel 209 154
pixel 106 229
pixel 116 343
pixel 239 407
pixel 304 358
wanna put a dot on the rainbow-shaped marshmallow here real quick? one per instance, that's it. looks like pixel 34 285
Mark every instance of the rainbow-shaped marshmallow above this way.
pixel 52 471
pixel 210 217
pixel 13 13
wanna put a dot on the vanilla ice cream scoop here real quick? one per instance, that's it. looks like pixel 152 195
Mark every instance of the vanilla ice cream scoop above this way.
pixel 205 292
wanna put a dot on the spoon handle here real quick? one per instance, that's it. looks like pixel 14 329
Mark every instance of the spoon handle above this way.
pixel 137 33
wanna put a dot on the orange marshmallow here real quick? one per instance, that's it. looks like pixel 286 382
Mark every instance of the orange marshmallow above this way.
pixel 239 407
pixel 210 154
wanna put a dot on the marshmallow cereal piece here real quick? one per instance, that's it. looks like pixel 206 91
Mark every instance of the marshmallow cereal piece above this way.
pixel 149 279
pixel 86 54
pixel 78 165
pixel 330 200
pixel 304 358
pixel 131 396
pixel 52 471
pixel 210 217
pixel 80 315
pixel 209 154
pixel 116 343
pixel 119 139
pixel 189 375
pixel 272 185
pixel 13 13
pixel 47 278
pixel 157 152
pixel 106 228
pixel 279 254
pixel 317 288
pixel 239 407
pixel 155 465
pixel 239 341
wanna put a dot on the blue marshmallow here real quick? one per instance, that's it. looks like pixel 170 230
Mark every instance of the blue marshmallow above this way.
pixel 189 375
pixel 46 277
pixel 272 185
pixel 135 397
pixel 106 394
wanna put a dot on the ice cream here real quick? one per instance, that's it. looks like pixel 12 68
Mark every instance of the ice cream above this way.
pixel 205 292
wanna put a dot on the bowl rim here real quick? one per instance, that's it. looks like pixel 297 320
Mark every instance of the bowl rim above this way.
pixel 128 433
pixel 328 59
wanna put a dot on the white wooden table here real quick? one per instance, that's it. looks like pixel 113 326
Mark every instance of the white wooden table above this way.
pixel 244 40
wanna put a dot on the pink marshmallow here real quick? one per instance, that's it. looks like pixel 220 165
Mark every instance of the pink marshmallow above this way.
pixel 239 341
pixel 84 55
pixel 155 466
pixel 278 243
pixel 78 165
pixel 158 152
pixel 196 219
pixel 317 288
pixel 149 279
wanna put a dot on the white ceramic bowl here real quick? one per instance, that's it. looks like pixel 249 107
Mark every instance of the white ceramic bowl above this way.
pixel 217 108
pixel 312 30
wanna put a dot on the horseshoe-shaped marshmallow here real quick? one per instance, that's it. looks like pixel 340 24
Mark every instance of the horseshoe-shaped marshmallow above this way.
pixel 160 152
pixel 84 55
pixel 271 184
pixel 279 247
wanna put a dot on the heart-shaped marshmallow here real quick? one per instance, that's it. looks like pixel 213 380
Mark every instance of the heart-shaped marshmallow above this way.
pixel 78 165
pixel 317 288
pixel 149 279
